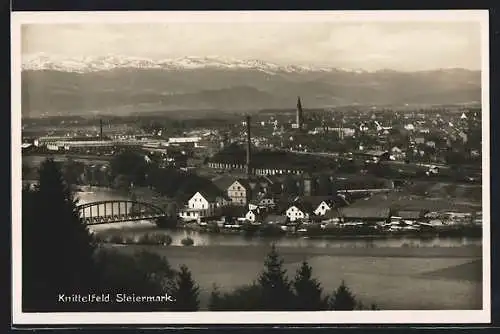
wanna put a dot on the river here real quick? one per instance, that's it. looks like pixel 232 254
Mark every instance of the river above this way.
pixel 95 194
pixel 395 273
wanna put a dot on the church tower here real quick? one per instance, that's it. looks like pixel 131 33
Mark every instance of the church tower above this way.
pixel 299 117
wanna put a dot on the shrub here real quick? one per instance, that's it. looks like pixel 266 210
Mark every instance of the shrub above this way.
pixel 155 239
pixel 187 241
pixel 128 240
pixel 98 238
pixel 144 239
pixel 161 239
pixel 115 239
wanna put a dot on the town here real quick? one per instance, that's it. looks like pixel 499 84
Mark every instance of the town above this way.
pixel 350 171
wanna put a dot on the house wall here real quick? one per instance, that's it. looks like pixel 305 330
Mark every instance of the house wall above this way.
pixel 322 209
pixel 238 194
pixel 250 216
pixel 199 202
pixel 193 215
pixel 294 213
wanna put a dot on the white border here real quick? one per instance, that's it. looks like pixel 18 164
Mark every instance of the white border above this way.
pixel 324 317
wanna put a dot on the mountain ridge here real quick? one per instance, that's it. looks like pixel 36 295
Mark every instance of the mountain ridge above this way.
pixel 83 64
pixel 47 90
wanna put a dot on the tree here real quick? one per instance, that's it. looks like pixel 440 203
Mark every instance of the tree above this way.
pixel 57 246
pixel 121 182
pixel 325 186
pixel 26 171
pixel 131 164
pixel 215 301
pixel 244 298
pixel 142 273
pixel 276 291
pixel 290 186
pixel 343 299
pixel 308 291
pixel 185 292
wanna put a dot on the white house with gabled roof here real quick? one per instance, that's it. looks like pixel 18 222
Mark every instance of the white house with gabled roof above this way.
pixel 202 204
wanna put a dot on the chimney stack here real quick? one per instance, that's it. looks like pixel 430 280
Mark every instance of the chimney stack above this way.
pixel 249 146
pixel 100 123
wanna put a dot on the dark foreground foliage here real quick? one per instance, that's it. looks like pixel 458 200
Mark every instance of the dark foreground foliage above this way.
pixel 61 259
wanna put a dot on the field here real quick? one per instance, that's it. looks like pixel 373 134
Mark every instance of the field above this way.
pixel 393 278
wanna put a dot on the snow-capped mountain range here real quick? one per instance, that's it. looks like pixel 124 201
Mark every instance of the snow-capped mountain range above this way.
pixel 85 64
pixel 69 85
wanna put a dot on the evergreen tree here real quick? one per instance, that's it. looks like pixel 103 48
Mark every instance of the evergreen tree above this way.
pixel 215 301
pixel 244 298
pixel 276 292
pixel 57 247
pixel 143 273
pixel 185 292
pixel 343 299
pixel 308 291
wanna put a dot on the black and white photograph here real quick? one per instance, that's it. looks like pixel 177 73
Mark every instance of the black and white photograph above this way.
pixel 250 167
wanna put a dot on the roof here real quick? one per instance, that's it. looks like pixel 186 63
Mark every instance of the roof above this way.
pixel 260 196
pixel 269 159
pixel 315 201
pixel 375 153
pixel 334 213
pixel 275 219
pixel 223 182
pixel 257 213
pixel 212 193
pixel 411 214
pixel 302 206
pixel 243 182
pixel 374 212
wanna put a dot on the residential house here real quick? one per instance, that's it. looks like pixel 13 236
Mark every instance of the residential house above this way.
pixel 203 204
pixel 397 153
pixel 254 216
pixel 239 192
pixel 331 217
pixel 264 184
pixel 299 210
pixel 323 207
pixel 262 202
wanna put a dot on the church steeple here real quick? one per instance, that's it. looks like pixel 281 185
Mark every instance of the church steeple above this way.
pixel 299 117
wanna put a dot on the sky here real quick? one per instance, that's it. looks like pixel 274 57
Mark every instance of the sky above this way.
pixel 405 46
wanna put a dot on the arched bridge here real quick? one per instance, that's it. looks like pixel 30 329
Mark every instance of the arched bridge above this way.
pixel 117 211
